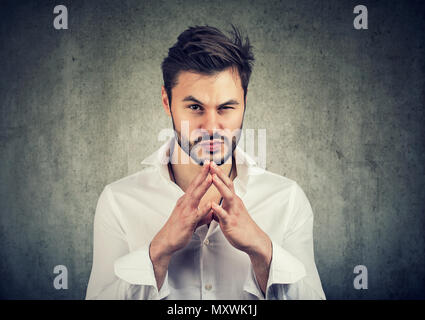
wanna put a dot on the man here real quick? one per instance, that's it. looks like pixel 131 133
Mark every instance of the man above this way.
pixel 203 221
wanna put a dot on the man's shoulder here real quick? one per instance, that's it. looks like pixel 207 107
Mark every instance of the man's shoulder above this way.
pixel 134 181
pixel 278 184
pixel 287 188
pixel 273 181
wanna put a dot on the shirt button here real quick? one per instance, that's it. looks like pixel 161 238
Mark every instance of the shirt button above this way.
pixel 208 286
pixel 206 242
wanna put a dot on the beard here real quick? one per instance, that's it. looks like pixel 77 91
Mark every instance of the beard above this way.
pixel 193 147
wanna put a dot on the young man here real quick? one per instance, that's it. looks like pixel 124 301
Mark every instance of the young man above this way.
pixel 203 221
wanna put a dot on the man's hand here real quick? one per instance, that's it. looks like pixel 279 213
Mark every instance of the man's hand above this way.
pixel 240 230
pixel 186 216
pixel 237 225
pixel 183 221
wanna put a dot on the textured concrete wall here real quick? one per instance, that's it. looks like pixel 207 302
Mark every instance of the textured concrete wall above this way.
pixel 343 109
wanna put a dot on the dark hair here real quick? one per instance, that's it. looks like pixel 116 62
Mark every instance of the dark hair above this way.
pixel 206 50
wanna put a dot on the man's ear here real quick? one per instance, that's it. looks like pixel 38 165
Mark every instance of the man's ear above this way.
pixel 164 99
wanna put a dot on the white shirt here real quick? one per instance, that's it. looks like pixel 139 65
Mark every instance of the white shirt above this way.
pixel 132 210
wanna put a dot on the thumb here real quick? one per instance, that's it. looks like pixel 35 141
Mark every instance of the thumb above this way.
pixel 203 212
pixel 214 216
pixel 220 212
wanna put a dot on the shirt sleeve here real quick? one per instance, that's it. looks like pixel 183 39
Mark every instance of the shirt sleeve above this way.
pixel 293 273
pixel 116 273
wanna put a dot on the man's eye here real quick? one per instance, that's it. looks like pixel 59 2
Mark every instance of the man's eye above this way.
pixel 195 107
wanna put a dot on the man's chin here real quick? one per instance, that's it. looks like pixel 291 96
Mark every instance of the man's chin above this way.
pixel 199 156
pixel 217 158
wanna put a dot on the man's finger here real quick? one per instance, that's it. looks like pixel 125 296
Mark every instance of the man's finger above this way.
pixel 203 211
pixel 199 178
pixel 223 189
pixel 206 219
pixel 227 181
pixel 199 192
pixel 220 212
pixel 214 216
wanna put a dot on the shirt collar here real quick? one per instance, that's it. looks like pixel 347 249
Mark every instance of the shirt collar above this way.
pixel 245 165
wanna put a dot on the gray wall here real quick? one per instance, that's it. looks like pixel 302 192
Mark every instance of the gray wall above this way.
pixel 343 109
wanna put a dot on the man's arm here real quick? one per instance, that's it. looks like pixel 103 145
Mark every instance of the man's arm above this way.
pixel 261 261
pixel 110 278
pixel 160 261
pixel 292 273
pixel 142 273
pixel 290 262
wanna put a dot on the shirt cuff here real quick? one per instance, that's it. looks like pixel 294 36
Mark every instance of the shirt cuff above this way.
pixel 136 268
pixel 284 269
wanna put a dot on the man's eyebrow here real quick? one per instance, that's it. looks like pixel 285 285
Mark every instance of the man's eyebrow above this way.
pixel 229 102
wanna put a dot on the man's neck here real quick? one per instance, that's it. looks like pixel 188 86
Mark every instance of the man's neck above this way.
pixel 185 169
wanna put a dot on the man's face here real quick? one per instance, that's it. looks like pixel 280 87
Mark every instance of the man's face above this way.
pixel 207 114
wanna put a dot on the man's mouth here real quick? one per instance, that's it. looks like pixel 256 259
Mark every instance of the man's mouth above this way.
pixel 212 146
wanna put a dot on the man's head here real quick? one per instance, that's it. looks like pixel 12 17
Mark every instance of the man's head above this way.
pixel 206 76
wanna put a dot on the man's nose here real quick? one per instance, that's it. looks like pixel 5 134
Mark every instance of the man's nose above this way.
pixel 211 121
